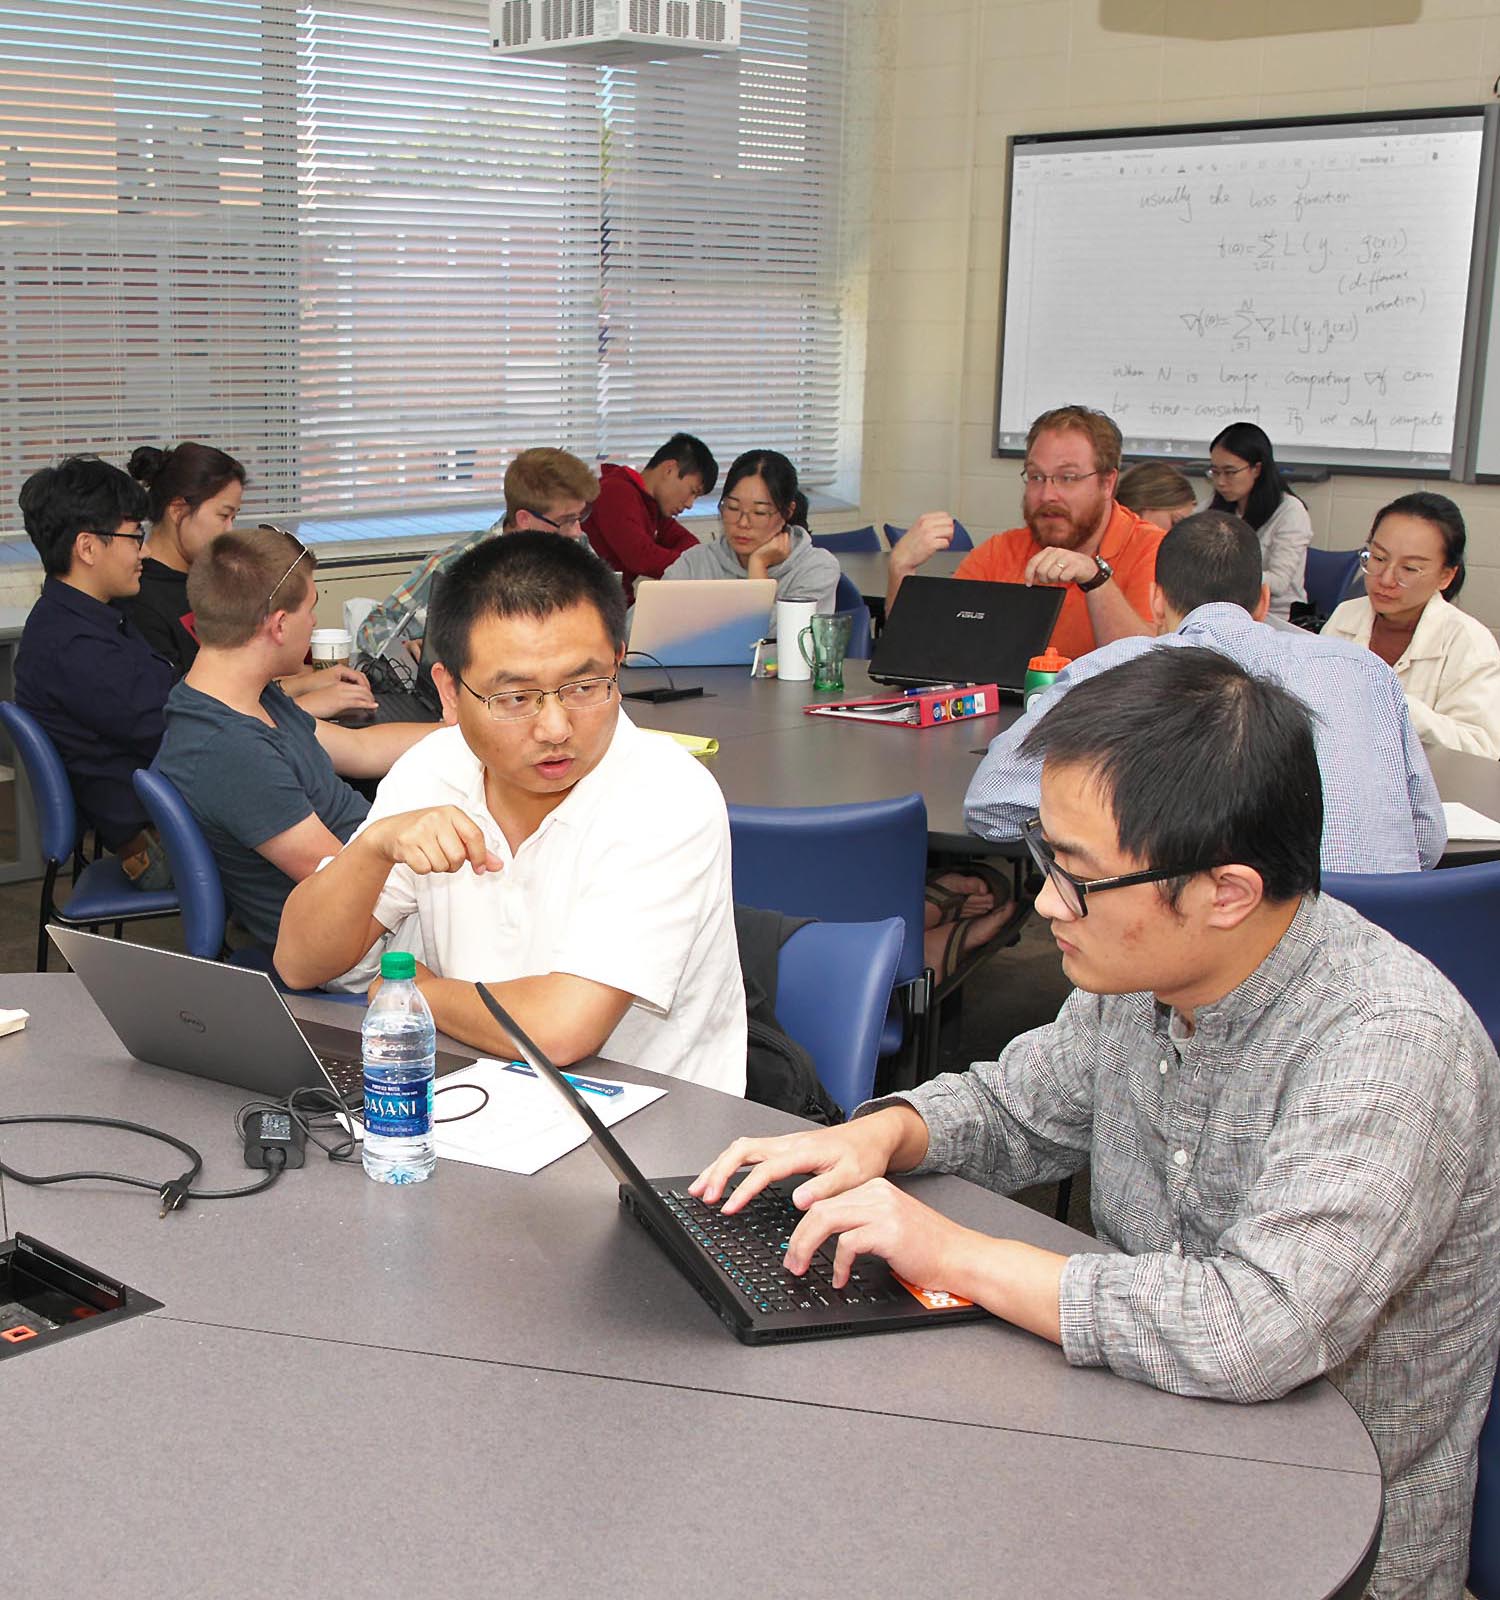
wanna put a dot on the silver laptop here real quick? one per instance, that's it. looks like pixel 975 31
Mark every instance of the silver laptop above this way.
pixel 211 1020
pixel 701 622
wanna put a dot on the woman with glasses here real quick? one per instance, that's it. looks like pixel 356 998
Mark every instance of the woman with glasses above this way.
pixel 1447 661
pixel 1247 481
pixel 193 495
pixel 764 534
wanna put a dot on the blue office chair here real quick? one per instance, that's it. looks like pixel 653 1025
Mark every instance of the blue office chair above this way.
pixel 849 602
pixel 961 539
pixel 101 891
pixel 854 539
pixel 194 870
pixel 1484 1535
pixel 1327 577
pixel 196 875
pixel 833 990
pixel 1449 916
pixel 851 863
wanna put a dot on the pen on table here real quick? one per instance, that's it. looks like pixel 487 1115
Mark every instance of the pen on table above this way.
pixel 588 1085
pixel 933 688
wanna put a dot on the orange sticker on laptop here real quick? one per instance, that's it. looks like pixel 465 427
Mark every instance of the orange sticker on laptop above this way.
pixel 933 1299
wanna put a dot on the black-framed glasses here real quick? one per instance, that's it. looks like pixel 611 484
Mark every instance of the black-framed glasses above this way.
pixel 570 526
pixel 1224 474
pixel 1074 891
pixel 733 511
pixel 270 527
pixel 1063 480
pixel 118 533
pixel 520 705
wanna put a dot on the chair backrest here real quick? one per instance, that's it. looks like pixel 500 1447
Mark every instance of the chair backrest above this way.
pixel 849 602
pixel 853 539
pixel 57 815
pixel 833 989
pixel 852 863
pixel 1327 576
pixel 194 870
pixel 961 537
pixel 1484 1536
pixel 1448 915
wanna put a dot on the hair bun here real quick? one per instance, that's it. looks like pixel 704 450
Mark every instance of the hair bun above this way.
pixel 145 462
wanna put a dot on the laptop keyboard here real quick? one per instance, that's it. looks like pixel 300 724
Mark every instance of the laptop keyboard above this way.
pixel 347 1076
pixel 748 1247
pixel 401 705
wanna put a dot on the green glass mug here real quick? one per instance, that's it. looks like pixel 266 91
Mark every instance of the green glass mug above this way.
pixel 830 644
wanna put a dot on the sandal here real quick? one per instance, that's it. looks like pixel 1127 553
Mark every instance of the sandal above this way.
pixel 961 953
pixel 950 902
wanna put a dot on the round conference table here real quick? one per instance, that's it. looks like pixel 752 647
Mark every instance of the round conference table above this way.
pixel 771 753
pixel 493 1384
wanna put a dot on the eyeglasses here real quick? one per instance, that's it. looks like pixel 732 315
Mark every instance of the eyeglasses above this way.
pixel 118 533
pixel 733 511
pixel 1224 474
pixel 1403 577
pixel 270 527
pixel 1063 480
pixel 520 705
pixel 571 524
pixel 1074 891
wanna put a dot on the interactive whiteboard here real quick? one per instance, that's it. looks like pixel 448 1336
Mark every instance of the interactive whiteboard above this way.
pixel 1311 277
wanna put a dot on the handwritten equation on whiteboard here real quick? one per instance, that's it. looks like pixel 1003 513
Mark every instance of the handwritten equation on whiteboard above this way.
pixel 1316 286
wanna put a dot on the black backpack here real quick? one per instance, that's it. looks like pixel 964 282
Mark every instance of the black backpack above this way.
pixel 778 1071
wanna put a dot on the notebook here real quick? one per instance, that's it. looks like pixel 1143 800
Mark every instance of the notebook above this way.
pixel 701 622
pixel 958 630
pixel 735 1262
pixel 212 1020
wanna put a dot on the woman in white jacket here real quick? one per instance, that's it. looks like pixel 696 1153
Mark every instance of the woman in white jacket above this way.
pixel 1447 661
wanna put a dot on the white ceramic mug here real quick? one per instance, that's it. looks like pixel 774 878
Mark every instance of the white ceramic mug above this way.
pixel 331 647
pixel 792 616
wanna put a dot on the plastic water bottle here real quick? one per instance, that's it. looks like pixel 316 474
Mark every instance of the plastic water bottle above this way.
pixel 399 1046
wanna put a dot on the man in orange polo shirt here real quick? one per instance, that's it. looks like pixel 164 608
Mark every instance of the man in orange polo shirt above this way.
pixel 1076 535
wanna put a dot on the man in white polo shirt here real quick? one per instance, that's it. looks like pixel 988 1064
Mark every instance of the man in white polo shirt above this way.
pixel 543 843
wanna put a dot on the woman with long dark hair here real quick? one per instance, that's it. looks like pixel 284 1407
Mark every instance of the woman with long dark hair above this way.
pixel 1247 481
pixel 193 495
pixel 764 515
pixel 1447 661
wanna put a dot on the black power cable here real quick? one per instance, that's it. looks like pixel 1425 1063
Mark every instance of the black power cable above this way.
pixel 173 1194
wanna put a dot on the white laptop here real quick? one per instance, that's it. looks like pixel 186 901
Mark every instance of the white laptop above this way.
pixel 701 622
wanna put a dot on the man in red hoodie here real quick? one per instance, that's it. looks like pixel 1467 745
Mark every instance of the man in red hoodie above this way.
pixel 633 524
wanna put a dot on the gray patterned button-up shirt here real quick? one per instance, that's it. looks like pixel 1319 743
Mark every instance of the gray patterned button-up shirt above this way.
pixel 1307 1182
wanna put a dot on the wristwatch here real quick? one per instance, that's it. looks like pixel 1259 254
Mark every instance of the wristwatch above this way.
pixel 1103 575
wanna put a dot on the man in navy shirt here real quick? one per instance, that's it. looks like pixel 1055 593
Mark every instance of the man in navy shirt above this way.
pixel 83 671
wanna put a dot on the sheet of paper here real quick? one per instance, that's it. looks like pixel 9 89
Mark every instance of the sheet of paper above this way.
pixel 525 1125
pixel 1466 823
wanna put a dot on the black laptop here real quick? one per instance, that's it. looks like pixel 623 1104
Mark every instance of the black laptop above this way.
pixel 735 1262
pixel 957 630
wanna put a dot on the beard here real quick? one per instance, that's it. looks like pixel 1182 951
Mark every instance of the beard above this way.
pixel 1066 527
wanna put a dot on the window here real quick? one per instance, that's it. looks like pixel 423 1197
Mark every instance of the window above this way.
pixel 346 242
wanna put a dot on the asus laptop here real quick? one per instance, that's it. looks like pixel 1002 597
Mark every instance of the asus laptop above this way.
pixel 212 1020
pixel 957 630
pixel 735 1262
pixel 701 622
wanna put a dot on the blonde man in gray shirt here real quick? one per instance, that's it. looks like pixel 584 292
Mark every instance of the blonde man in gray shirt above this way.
pixel 1290 1118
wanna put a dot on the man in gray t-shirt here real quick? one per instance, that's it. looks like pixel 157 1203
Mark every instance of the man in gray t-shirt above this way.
pixel 1291 1121
pixel 259 774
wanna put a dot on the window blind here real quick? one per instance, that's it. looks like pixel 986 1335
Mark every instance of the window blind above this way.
pixel 346 242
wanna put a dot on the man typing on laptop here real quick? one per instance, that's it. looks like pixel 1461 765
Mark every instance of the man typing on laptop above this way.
pixel 545 844
pixel 1290 1119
